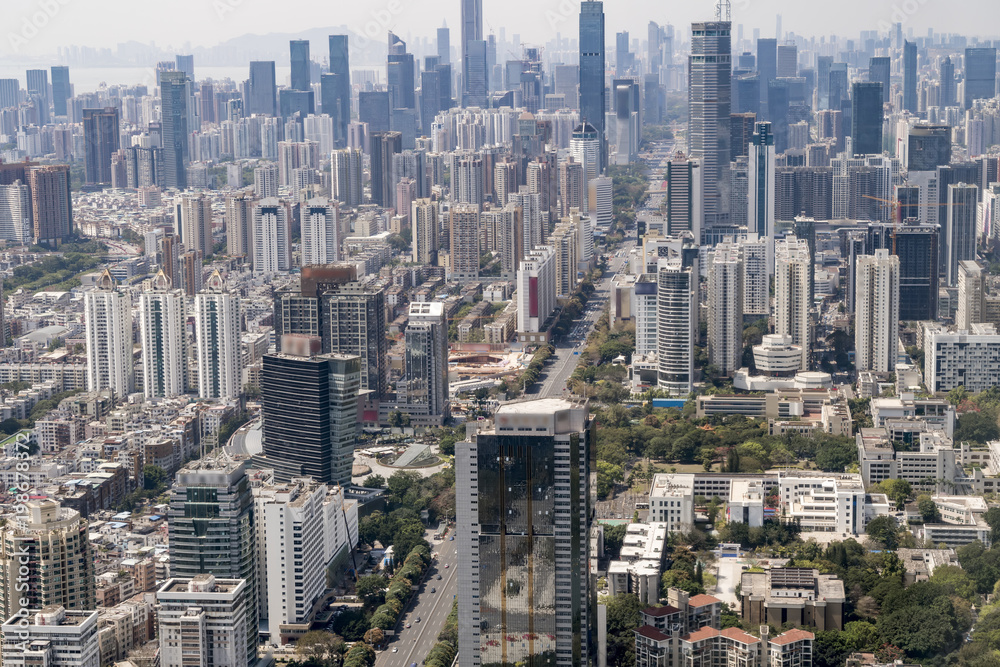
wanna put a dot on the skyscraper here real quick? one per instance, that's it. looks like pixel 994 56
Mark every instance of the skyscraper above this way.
pixel 866 117
pixel 61 89
pixel 423 393
pixel 320 228
pixel 585 147
pixel 592 90
pixel 879 69
pixel 971 290
pixel 961 228
pixel 760 183
pixel 399 74
pixel 624 58
pixel 373 108
pixel 876 333
pixel 383 146
pixel 353 323
pixel 310 412
pixel 263 91
pixel 767 67
pixel 45 559
pixel 916 245
pixel 239 224
pixel 174 127
pixel 444 45
pixel 163 333
pixel 299 56
pixel 346 174
pixel 474 81
pixel 108 315
pixel 211 524
pixel 524 513
pixel 217 338
pixel 928 147
pixel 685 206
pixel 725 308
pixel 340 65
pixel 464 242
pixel 980 74
pixel 792 283
pixel 708 111
pixel 196 223
pixel 51 203
pixel 676 326
pixel 204 616
pixel 571 187
pixel 946 78
pixel 910 76
pixel 37 81
pixel 272 236
pixel 185 64
pixel 15 213
pixel 424 223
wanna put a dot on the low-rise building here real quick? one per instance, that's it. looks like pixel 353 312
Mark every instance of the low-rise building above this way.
pixel 640 562
pixel 793 596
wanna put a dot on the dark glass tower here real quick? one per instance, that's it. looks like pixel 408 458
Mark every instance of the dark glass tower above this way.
pixel 101 139
pixel 910 76
pixel 174 129
pixel 767 66
pixel 917 248
pixel 340 65
pixel 709 92
pixel 947 76
pixel 310 406
pixel 38 84
pixel 212 529
pixel 299 52
pixel 980 74
pixel 474 83
pixel 866 117
pixel 61 90
pixel 400 70
pixel 444 45
pixel 383 146
pixel 373 108
pixel 879 71
pixel 523 510
pixel 592 94
pixel 929 147
pixel 263 96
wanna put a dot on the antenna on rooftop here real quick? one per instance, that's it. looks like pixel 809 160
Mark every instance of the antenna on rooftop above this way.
pixel 723 10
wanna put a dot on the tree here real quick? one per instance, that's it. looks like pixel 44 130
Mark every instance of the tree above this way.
pixel 607 476
pixel 898 490
pixel 623 617
pixel 373 482
pixel 371 589
pixel 883 529
pixel 614 537
pixel 320 647
pixel 928 510
pixel 920 631
pixel 980 427
pixel 375 637
pixel 395 418
pixel 154 478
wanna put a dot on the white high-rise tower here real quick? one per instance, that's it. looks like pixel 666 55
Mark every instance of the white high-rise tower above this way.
pixel 791 293
pixel 876 305
pixel 217 335
pixel 163 324
pixel 725 308
pixel 320 232
pixel 109 338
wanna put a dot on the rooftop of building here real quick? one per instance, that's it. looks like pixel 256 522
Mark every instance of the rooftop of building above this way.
pixel 665 610
pixel 792 636
pixel 649 632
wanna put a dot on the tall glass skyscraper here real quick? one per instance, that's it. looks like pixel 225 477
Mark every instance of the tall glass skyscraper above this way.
pixel 709 96
pixel 474 85
pixel 60 89
pixel 340 65
pixel 299 52
pixel 980 74
pixel 174 129
pixel 879 70
pixel 523 509
pixel 592 92
pixel 866 117
pixel 263 98
pixel 910 77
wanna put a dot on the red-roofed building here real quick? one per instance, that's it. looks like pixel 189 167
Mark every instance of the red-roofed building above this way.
pixel 793 648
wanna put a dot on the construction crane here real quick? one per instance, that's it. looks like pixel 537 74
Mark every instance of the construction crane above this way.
pixel 897 212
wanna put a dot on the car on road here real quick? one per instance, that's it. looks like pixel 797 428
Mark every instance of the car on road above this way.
pixel 418 619
pixel 407 625
pixel 439 577
pixel 433 590
pixel 446 566
pixel 395 649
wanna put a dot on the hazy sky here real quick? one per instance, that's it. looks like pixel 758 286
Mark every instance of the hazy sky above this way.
pixel 33 28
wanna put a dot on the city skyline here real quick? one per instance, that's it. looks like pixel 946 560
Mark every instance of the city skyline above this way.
pixel 38 31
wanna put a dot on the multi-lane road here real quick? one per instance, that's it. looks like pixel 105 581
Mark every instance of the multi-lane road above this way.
pixel 412 644
pixel 565 359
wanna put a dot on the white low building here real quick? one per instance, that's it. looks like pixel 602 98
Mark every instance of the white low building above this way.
pixel 967 358
pixel 640 563
pixel 51 637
